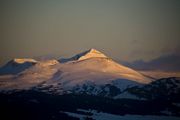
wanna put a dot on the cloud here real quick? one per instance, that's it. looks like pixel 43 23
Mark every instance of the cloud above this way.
pixel 169 62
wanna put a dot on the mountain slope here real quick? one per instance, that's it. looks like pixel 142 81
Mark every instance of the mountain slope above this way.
pixel 98 70
pixel 164 88
pixel 41 71
pixel 17 65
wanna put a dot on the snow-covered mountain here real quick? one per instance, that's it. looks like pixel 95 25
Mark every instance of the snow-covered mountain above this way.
pixel 17 65
pixel 89 72
pixel 87 68
pixel 89 80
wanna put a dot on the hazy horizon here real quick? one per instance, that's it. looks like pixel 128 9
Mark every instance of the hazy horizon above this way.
pixel 124 30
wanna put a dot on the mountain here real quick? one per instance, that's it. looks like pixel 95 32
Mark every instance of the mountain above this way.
pixel 87 68
pixel 164 89
pixel 90 72
pixel 17 65
pixel 88 80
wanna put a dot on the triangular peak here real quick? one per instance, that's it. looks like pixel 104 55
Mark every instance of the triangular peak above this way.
pixel 91 53
pixel 94 51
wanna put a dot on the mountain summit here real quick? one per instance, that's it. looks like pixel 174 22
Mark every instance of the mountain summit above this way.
pixel 91 53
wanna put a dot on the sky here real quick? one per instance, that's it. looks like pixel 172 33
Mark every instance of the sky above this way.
pixel 124 30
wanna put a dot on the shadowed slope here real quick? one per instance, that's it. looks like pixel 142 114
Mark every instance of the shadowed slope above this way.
pixel 17 65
